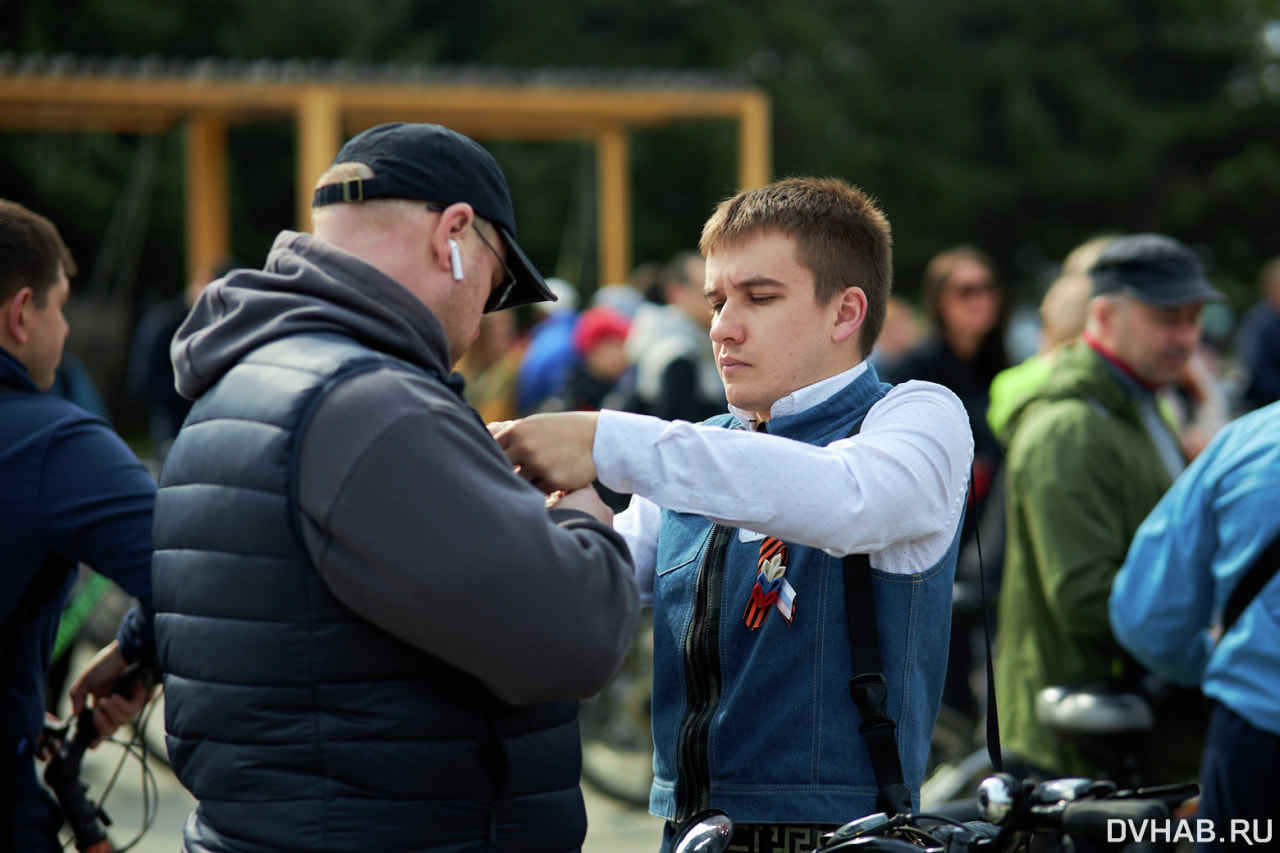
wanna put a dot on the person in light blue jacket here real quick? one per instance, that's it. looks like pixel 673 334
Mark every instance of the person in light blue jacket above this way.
pixel 1167 606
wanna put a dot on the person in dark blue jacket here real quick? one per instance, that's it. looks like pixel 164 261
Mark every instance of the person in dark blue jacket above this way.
pixel 73 493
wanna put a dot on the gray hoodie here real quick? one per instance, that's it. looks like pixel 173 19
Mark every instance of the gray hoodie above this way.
pixel 410 511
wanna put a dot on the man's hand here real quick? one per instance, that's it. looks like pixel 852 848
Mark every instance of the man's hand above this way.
pixel 1208 405
pixel 110 710
pixel 586 500
pixel 552 451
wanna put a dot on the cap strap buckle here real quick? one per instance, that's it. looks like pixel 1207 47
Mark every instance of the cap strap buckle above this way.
pixel 349 194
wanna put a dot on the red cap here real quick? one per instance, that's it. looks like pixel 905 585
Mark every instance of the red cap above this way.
pixel 596 325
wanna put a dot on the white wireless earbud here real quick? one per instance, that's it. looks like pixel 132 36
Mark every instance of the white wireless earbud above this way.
pixel 457 260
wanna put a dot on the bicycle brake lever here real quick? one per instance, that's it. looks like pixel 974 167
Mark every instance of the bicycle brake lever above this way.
pixel 62 774
pixel 872 823
pixel 54 733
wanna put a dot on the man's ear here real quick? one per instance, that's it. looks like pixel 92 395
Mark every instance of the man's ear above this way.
pixel 14 324
pixel 851 311
pixel 1102 316
pixel 454 221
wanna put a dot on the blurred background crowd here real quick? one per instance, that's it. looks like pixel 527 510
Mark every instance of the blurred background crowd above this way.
pixel 1019 129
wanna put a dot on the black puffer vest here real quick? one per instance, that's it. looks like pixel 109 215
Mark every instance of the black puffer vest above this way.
pixel 297 724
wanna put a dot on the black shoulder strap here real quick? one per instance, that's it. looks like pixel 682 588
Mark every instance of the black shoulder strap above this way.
pixel 1257 576
pixel 870 690
pixel 868 687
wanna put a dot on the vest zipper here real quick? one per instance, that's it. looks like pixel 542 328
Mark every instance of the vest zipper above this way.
pixel 702 681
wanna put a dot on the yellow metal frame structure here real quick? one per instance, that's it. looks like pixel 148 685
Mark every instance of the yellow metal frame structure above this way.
pixel 326 110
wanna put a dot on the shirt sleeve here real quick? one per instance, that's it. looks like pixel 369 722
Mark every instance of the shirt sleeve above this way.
pixel 416 522
pixel 638 525
pixel 903 477
pixel 1066 483
pixel 1187 556
pixel 96 503
pixel 1161 601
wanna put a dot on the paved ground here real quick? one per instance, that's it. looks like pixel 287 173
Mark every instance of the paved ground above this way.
pixel 612 828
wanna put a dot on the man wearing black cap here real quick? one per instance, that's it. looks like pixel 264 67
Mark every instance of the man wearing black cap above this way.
pixel 1088 457
pixel 371 627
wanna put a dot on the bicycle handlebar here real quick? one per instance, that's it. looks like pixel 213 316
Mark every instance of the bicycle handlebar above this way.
pixel 87 820
pixel 1012 809
pixel 1089 818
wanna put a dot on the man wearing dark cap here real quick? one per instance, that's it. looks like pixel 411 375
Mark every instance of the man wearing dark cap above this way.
pixel 372 630
pixel 1089 455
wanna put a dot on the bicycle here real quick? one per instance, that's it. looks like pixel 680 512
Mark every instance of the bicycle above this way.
pixel 1013 813
pixel 1104 722
pixel 86 818
pixel 617 737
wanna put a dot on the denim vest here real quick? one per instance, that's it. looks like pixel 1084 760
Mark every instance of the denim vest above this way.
pixel 296 723
pixel 760 723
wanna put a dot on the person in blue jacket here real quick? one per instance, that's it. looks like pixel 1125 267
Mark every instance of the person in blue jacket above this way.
pixel 73 493
pixel 1167 604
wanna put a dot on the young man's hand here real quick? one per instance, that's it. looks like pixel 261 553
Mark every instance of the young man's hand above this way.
pixel 552 451
pixel 586 500
pixel 99 678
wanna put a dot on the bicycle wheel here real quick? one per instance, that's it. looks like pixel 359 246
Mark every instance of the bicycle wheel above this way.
pixel 954 736
pixel 957 760
pixel 617 740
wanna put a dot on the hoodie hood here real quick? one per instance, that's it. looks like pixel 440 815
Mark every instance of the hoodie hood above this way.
pixel 1076 372
pixel 307 286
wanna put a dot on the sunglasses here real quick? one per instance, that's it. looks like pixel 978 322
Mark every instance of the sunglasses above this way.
pixel 499 294
pixel 968 292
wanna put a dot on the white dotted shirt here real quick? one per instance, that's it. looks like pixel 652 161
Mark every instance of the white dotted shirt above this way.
pixel 895 491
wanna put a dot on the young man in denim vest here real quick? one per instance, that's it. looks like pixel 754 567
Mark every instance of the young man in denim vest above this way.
pixel 740 524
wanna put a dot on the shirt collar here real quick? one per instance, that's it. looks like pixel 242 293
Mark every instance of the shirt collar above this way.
pixel 804 398
pixel 14 374
pixel 1118 367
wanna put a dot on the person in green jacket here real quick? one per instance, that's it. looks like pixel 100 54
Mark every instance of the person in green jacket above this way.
pixel 1089 455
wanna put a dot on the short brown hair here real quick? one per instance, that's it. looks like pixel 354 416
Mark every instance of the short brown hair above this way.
pixel 31 251
pixel 840 235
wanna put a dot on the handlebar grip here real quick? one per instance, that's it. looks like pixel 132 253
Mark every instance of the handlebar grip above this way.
pixel 62 774
pixel 1088 818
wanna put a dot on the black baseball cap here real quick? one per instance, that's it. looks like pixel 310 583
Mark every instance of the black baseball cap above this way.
pixel 427 162
pixel 1152 268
